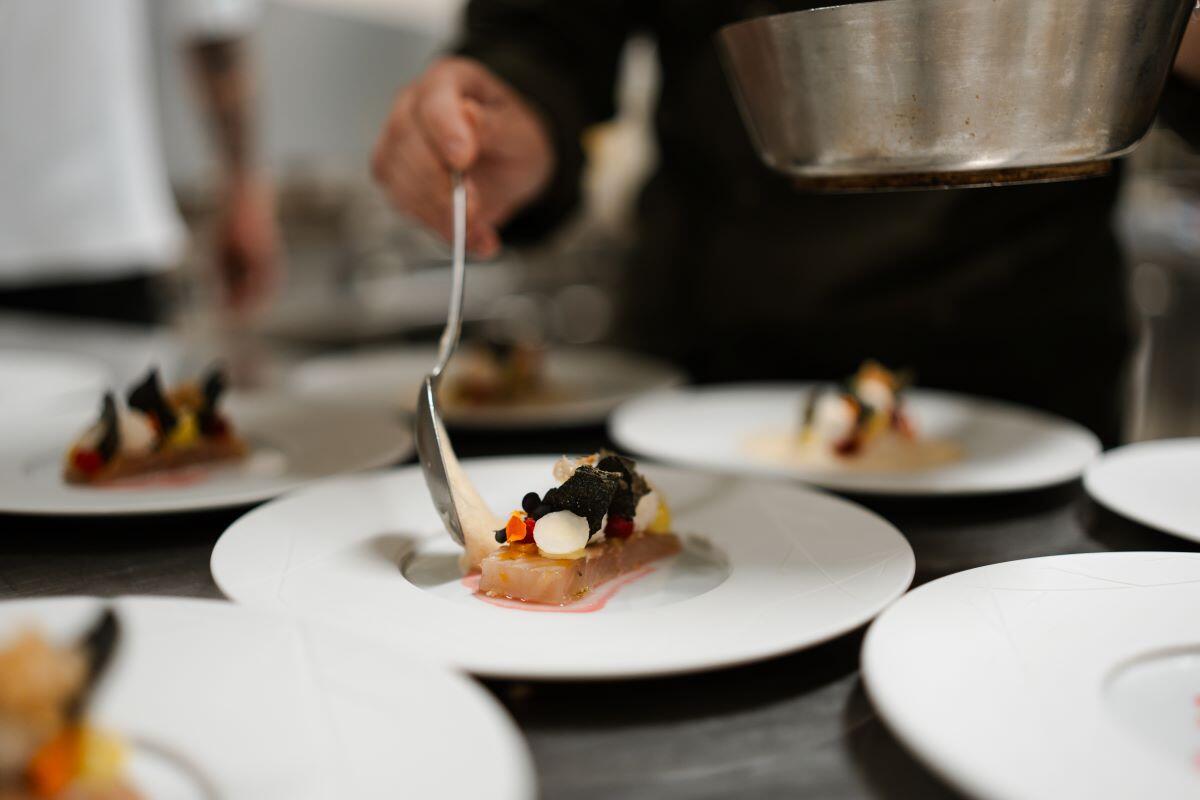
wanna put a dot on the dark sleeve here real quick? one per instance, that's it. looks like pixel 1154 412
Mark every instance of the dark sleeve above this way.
pixel 562 56
pixel 1179 109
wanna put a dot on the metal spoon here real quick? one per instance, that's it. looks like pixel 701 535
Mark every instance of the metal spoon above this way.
pixel 433 444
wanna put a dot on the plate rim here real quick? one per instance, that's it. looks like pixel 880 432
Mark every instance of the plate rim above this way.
pixel 584 412
pixel 1105 459
pixel 400 450
pixel 870 667
pixel 859 485
pixel 524 774
pixel 746 656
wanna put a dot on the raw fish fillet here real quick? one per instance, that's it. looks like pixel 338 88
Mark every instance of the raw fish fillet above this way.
pixel 520 573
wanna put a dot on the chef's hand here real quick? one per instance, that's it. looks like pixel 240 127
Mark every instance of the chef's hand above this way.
pixel 460 116
pixel 247 246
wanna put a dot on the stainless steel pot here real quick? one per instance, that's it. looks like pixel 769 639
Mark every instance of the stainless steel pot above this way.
pixel 903 93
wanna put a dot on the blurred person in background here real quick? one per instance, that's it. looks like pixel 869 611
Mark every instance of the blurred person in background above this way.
pixel 88 224
pixel 1015 292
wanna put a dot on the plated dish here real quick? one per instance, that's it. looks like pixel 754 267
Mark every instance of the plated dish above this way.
pixel 155 430
pixel 763 568
pixel 1063 677
pixel 131 461
pixel 863 424
pixel 1153 483
pixel 48 746
pixel 511 389
pixel 941 443
pixel 210 700
pixel 603 520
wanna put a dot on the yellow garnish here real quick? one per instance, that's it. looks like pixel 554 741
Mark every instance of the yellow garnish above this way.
pixel 102 755
pixel 662 520
pixel 185 432
pixel 580 553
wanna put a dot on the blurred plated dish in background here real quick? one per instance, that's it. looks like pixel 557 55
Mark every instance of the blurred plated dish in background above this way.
pixel 576 385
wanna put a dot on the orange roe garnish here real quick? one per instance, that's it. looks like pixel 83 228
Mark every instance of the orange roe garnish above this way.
pixel 514 529
pixel 55 765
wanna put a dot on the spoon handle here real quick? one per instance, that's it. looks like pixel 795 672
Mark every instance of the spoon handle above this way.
pixel 458 274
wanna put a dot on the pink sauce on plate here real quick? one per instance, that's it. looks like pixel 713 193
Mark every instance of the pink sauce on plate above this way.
pixel 169 479
pixel 590 602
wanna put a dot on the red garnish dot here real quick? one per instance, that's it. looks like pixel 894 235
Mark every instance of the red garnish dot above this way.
pixel 87 461
pixel 529 523
pixel 847 447
pixel 620 527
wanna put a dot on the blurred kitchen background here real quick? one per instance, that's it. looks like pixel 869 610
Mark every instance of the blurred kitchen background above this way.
pixel 360 276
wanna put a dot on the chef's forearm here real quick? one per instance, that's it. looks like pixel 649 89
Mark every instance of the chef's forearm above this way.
pixel 227 87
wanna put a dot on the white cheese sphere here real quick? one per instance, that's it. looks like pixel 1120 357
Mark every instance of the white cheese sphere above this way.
pixel 834 418
pixel 561 533
pixel 877 394
pixel 646 511
pixel 138 435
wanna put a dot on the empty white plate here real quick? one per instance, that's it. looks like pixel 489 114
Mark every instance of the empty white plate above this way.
pixel 1154 483
pixel 1005 447
pixel 1063 677
pixel 36 380
pixel 220 701
pixel 587 384
pixel 767 568
pixel 293 442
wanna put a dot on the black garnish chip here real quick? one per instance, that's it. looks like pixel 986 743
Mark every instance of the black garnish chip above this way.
pixel 501 536
pixel 110 438
pixel 213 387
pixel 587 493
pixel 530 502
pixel 97 645
pixel 632 486
pixel 148 398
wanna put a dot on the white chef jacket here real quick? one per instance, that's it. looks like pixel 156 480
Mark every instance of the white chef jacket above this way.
pixel 83 184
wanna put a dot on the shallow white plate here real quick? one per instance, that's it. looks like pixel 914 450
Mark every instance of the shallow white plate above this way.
pixel 220 701
pixel 1006 447
pixel 593 381
pixel 1063 677
pixel 293 442
pixel 43 379
pixel 1154 483
pixel 767 568
pixel 380 305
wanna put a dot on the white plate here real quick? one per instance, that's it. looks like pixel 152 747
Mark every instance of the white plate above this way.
pixel 1154 483
pixel 1006 447
pixel 293 443
pixel 219 701
pixel 374 306
pixel 597 380
pixel 768 568
pixel 1063 677
pixel 34 380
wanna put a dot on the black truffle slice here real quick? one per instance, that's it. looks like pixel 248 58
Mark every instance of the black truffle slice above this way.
pixel 110 438
pixel 97 646
pixel 588 493
pixel 148 398
pixel 212 388
pixel 631 488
